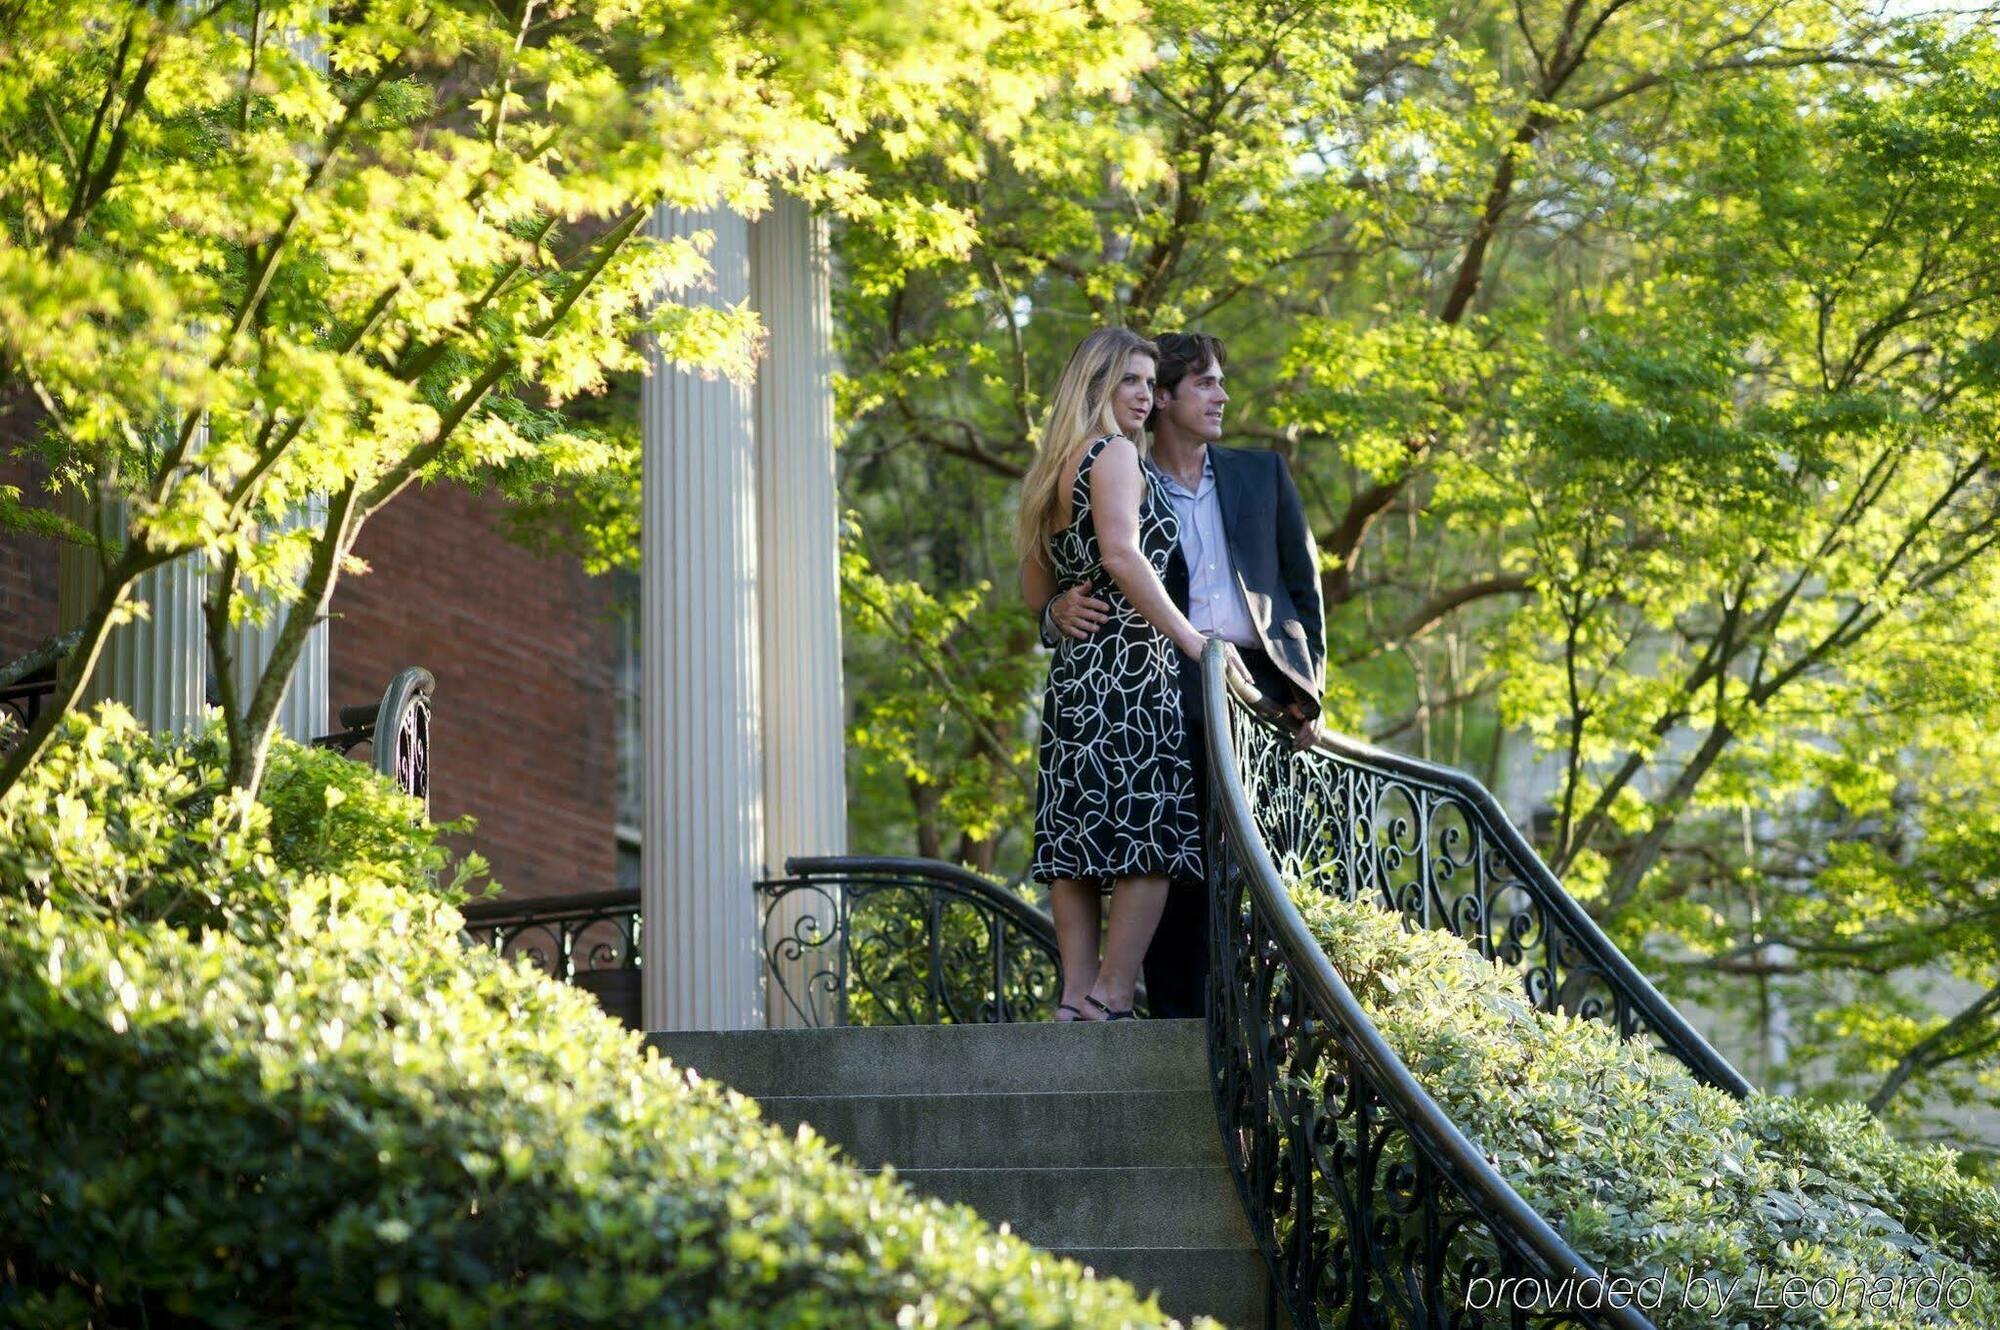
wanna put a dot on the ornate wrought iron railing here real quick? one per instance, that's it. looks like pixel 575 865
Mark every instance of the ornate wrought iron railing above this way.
pixel 404 714
pixel 893 941
pixel 1319 1116
pixel 404 711
pixel 22 701
pixel 591 941
pixel 849 939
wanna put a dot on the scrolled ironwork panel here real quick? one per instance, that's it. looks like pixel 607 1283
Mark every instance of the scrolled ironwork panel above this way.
pixel 804 952
pixel 563 936
pixel 1338 822
pixel 1372 1209
pixel 909 941
pixel 397 730
pixel 850 938
pixel 1361 1221
pixel 413 751
pixel 21 702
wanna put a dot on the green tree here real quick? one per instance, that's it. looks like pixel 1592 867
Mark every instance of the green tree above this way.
pixel 232 280
pixel 1765 591
pixel 1635 362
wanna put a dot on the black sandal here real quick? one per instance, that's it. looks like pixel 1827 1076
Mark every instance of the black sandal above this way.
pixel 1074 1014
pixel 1128 1014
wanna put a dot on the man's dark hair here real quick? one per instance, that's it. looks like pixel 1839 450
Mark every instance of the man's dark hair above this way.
pixel 1182 354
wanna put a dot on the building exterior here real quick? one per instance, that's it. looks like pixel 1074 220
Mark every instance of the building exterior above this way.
pixel 523 648
pixel 680 731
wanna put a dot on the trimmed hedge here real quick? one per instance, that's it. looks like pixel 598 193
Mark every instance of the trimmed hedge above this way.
pixel 1648 1173
pixel 250 1077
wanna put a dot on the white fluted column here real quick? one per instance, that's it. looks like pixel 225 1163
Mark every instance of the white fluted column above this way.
pixel 157 665
pixel 302 714
pixel 805 797
pixel 702 823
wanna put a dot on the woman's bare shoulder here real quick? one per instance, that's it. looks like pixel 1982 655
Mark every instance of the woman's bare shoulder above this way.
pixel 1100 448
pixel 1120 447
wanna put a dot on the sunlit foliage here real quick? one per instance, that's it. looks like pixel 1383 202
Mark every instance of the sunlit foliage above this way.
pixel 1637 365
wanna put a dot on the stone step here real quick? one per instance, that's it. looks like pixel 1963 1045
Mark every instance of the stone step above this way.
pixel 1166 1206
pixel 1078 1129
pixel 1227 1283
pixel 1140 1056
pixel 1096 1141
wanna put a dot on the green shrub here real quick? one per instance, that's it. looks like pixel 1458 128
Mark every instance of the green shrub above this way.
pixel 1646 1172
pixel 1921 1186
pixel 330 815
pixel 287 1096
pixel 112 823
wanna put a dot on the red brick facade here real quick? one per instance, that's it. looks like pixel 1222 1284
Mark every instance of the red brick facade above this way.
pixel 27 570
pixel 523 648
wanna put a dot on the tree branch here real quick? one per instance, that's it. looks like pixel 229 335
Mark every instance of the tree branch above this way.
pixel 135 561
pixel 65 230
pixel 1344 541
pixel 1440 606
pixel 247 755
pixel 1742 65
pixel 1936 1048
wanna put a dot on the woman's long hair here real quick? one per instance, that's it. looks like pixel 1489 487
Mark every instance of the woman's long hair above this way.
pixel 1079 414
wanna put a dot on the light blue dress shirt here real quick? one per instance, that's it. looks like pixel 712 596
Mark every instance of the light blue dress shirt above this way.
pixel 1215 598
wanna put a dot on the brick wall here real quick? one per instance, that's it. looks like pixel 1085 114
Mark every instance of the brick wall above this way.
pixel 523 649
pixel 27 571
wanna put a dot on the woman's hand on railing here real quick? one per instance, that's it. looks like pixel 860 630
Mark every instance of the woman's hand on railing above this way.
pixel 1294 717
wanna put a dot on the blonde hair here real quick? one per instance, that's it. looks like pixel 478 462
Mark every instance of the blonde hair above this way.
pixel 1079 414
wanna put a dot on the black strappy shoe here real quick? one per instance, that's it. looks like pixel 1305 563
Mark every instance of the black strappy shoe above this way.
pixel 1074 1014
pixel 1126 1015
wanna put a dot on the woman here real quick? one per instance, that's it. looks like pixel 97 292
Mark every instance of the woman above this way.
pixel 1114 802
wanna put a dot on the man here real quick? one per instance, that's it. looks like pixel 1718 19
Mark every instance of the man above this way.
pixel 1247 572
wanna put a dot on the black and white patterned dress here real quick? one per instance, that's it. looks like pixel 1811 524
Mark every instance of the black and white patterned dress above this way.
pixel 1114 791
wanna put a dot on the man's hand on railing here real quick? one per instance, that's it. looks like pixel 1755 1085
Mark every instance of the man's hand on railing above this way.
pixel 1306 732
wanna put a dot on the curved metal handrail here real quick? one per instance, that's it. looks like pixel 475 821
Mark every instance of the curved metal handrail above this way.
pixel 951 953
pixel 1638 1005
pixel 21 700
pixel 404 714
pixel 1312 1099
pixel 952 876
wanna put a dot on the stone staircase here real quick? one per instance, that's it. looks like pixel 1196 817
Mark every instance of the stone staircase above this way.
pixel 1095 1141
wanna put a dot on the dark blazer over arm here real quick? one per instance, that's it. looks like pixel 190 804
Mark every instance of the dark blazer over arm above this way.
pixel 1276 563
